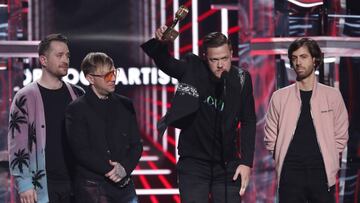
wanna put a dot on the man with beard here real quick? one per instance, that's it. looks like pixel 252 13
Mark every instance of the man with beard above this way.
pixel 306 129
pixel 212 99
pixel 37 129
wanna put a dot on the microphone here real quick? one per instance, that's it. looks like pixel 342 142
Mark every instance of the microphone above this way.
pixel 223 77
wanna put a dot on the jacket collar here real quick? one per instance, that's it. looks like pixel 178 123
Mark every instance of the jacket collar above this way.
pixel 94 100
pixel 314 89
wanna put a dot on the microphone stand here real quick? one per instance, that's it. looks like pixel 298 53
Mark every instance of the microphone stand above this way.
pixel 224 78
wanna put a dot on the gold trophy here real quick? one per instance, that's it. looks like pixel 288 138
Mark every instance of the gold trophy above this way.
pixel 170 34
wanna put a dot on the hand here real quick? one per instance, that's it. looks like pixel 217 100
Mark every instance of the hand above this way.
pixel 159 32
pixel 244 172
pixel 117 173
pixel 29 196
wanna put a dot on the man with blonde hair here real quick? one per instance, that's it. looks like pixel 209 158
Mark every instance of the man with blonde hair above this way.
pixel 104 136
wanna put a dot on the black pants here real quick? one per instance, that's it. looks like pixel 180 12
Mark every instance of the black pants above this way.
pixel 60 191
pixel 198 184
pixel 90 191
pixel 305 186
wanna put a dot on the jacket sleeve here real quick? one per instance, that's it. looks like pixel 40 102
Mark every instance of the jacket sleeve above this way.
pixel 341 123
pixel 135 149
pixel 271 125
pixel 76 130
pixel 158 51
pixel 248 123
pixel 18 143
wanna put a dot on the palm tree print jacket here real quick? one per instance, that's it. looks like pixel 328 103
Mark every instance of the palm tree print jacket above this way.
pixel 26 140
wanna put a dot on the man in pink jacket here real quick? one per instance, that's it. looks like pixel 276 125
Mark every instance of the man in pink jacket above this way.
pixel 306 129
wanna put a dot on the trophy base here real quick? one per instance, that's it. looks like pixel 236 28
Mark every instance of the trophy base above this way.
pixel 170 35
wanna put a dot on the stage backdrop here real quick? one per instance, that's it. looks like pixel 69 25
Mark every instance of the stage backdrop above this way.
pixel 260 32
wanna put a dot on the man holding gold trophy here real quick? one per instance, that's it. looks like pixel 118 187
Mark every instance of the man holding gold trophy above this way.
pixel 211 99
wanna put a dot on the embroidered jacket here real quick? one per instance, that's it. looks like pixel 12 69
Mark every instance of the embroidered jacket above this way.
pixel 192 73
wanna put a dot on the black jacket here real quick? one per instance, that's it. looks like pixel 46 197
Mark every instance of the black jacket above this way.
pixel 192 73
pixel 96 136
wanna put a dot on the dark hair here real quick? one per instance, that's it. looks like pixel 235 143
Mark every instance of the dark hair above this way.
pixel 215 39
pixel 44 45
pixel 93 60
pixel 311 45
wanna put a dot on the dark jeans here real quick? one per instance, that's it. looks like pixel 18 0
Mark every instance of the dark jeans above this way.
pixel 60 191
pixel 305 186
pixel 90 191
pixel 198 184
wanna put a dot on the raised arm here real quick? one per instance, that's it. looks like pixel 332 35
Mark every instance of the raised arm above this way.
pixel 157 49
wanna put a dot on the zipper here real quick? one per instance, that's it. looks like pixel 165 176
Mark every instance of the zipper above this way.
pixel 297 120
pixel 317 141
pixel 292 137
pixel 316 134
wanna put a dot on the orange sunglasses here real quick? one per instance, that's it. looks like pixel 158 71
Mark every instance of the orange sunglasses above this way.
pixel 107 76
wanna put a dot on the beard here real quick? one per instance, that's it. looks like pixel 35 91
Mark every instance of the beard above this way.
pixel 62 71
pixel 304 74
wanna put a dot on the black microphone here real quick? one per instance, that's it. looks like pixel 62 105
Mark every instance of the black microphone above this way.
pixel 223 77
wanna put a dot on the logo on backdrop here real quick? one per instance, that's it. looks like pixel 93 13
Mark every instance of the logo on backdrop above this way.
pixel 131 76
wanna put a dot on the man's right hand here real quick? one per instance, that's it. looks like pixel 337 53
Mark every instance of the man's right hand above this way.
pixel 159 32
pixel 29 196
pixel 117 173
